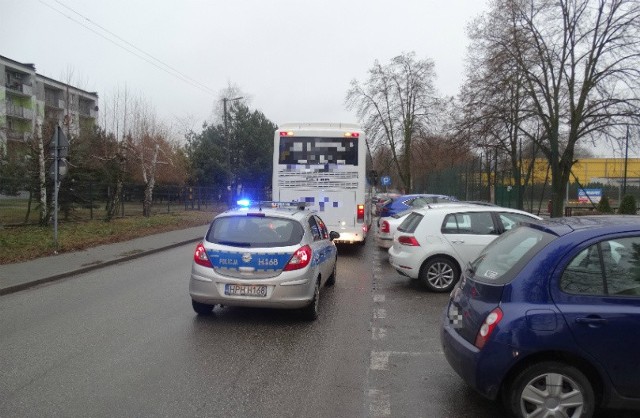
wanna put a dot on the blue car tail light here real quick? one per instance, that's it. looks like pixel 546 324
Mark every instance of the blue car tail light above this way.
pixel 488 326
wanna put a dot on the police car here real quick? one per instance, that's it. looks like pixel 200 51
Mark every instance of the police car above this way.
pixel 267 254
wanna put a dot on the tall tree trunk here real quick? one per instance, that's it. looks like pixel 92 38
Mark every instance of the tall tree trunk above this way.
pixel 114 200
pixel 150 182
pixel 26 216
pixel 44 210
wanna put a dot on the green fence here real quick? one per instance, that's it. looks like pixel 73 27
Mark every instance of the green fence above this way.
pixel 82 201
pixel 469 182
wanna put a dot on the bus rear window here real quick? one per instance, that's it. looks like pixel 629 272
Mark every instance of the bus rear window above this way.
pixel 312 150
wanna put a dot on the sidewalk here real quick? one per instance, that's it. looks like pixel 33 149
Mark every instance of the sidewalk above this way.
pixel 19 276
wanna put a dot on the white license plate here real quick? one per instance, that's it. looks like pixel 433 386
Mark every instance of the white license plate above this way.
pixel 245 290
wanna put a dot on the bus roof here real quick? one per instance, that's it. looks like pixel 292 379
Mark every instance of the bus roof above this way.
pixel 319 125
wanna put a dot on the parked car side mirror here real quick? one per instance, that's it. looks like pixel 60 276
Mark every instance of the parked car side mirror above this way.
pixel 333 235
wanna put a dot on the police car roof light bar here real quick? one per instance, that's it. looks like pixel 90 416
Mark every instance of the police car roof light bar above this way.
pixel 246 203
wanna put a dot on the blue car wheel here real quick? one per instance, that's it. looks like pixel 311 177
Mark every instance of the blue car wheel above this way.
pixel 550 389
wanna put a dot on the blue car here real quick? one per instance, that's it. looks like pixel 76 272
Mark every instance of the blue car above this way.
pixel 411 201
pixel 548 318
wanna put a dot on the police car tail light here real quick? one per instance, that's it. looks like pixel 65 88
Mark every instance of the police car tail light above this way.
pixel 200 256
pixel 490 323
pixel 300 259
pixel 408 240
pixel 385 227
pixel 360 213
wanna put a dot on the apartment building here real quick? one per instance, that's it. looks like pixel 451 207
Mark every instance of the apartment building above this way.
pixel 32 104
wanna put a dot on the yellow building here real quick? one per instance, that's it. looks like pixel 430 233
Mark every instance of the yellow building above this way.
pixel 593 170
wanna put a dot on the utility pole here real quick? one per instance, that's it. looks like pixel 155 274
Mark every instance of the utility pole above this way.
pixel 227 139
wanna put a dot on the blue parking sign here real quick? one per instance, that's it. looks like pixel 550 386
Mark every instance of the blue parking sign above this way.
pixel 385 180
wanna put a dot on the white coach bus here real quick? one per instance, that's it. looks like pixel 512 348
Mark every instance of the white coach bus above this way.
pixel 325 165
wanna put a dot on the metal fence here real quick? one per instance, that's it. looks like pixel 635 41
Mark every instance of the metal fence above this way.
pixel 82 201
pixel 469 182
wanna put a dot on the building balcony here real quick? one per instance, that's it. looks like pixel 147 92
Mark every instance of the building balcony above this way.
pixel 19 112
pixel 88 112
pixel 55 103
pixel 20 89
pixel 13 135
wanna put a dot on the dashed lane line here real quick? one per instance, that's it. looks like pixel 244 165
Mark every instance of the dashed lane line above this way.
pixel 379 403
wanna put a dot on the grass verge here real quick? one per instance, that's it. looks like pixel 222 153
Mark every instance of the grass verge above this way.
pixel 30 242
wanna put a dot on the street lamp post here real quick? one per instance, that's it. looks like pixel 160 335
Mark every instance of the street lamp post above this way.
pixel 226 136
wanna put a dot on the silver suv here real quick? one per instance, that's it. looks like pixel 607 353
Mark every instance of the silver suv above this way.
pixel 270 255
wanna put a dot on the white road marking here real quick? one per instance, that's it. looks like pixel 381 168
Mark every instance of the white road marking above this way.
pixel 379 403
pixel 379 360
pixel 378 333
pixel 378 298
pixel 379 313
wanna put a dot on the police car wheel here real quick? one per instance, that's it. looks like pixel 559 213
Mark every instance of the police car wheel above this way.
pixel 201 308
pixel 332 279
pixel 310 312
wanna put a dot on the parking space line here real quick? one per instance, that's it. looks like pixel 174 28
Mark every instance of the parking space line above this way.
pixel 379 313
pixel 379 403
pixel 378 333
pixel 378 298
pixel 379 360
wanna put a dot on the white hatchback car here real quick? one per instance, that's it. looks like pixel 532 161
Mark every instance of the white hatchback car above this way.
pixel 388 226
pixel 435 244
pixel 264 257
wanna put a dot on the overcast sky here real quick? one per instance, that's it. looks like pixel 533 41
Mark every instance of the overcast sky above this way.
pixel 294 59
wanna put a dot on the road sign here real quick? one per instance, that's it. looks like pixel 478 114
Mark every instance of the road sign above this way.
pixel 385 180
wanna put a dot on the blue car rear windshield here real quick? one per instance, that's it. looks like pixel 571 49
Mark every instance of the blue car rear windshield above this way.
pixel 252 231
pixel 501 260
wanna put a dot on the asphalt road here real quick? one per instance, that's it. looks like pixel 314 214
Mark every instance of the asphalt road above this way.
pixel 123 341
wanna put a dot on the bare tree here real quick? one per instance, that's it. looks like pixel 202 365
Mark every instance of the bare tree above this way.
pixel 580 67
pixel 42 175
pixel 115 120
pixel 494 111
pixel 395 105
pixel 148 141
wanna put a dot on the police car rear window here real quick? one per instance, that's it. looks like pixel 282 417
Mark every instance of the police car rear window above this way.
pixel 251 231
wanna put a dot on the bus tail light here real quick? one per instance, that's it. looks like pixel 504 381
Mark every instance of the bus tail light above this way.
pixel 360 213
pixel 408 240
pixel 300 259
pixel 384 227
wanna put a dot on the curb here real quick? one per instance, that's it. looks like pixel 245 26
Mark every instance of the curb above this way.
pixel 36 282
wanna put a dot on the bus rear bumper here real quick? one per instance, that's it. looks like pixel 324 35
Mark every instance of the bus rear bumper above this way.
pixel 349 237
